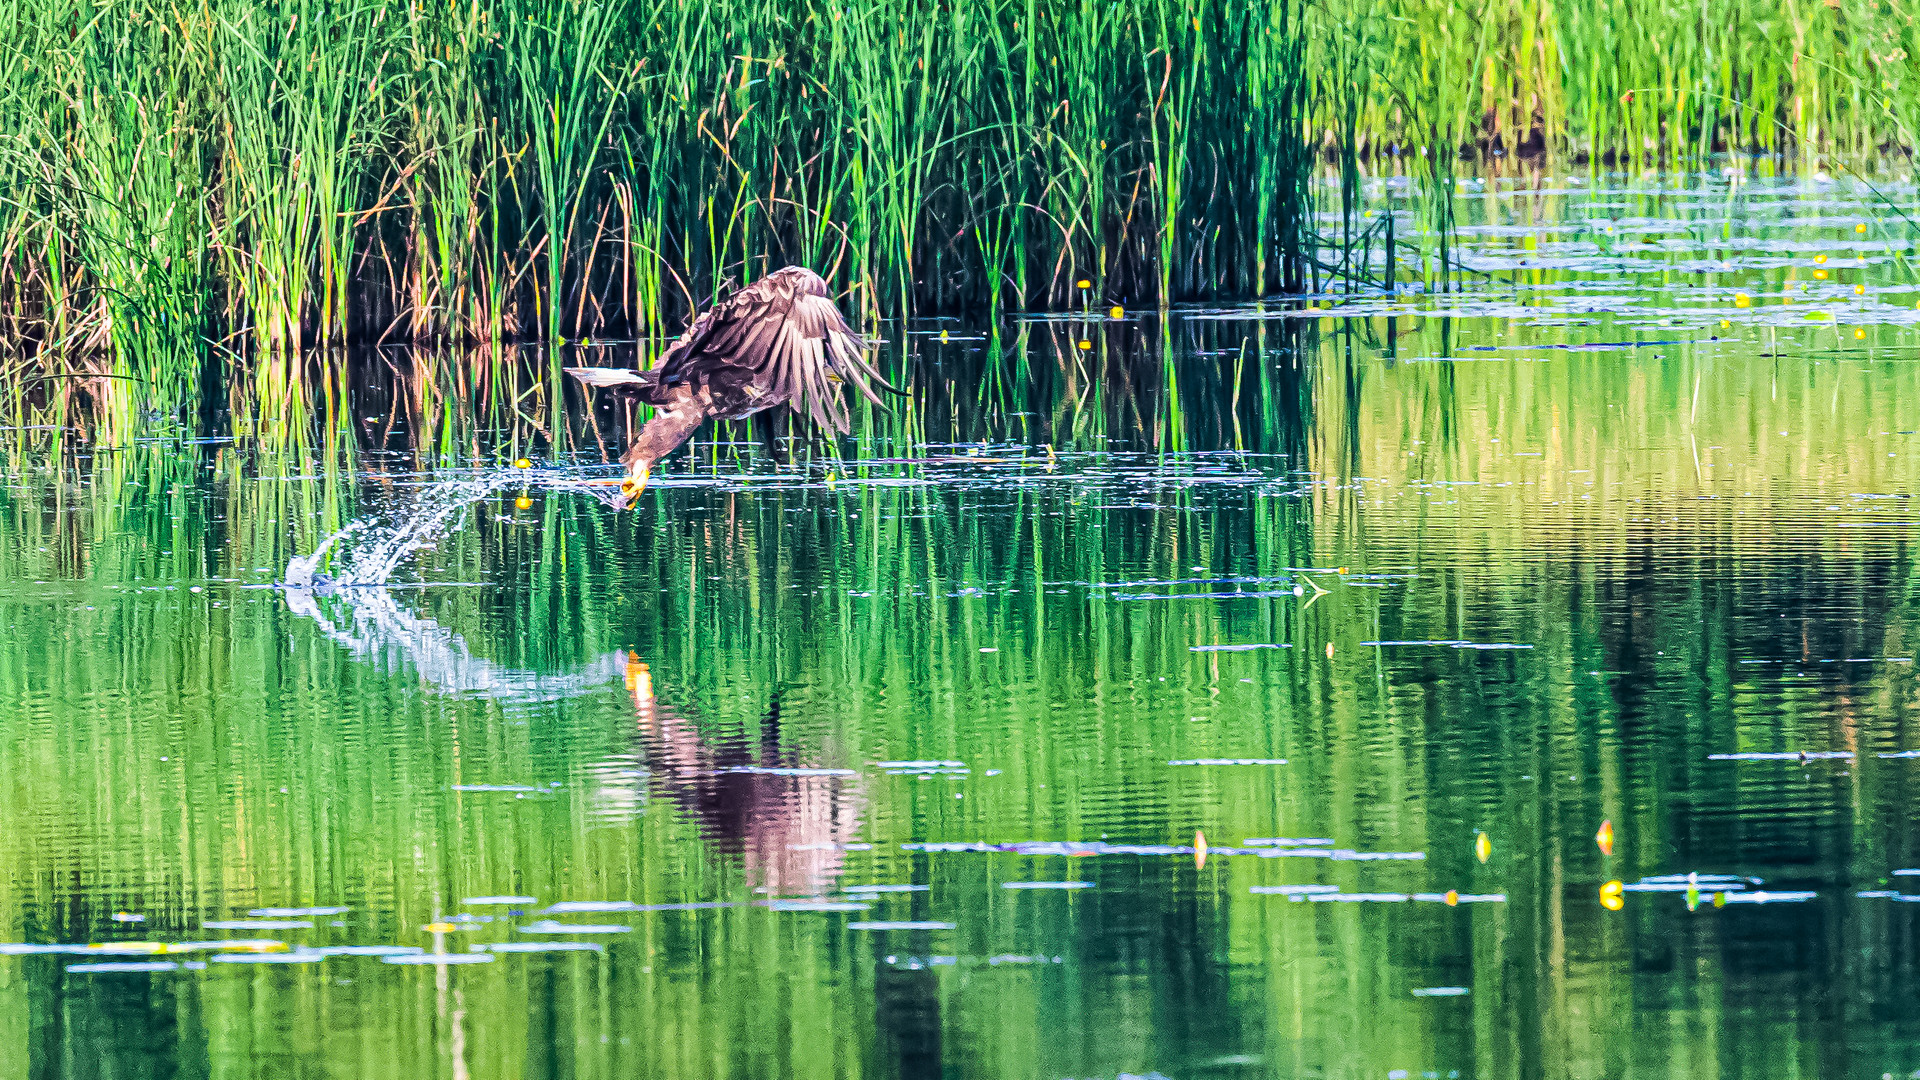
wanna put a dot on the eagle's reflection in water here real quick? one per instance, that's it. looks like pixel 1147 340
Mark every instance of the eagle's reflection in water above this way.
pixel 788 823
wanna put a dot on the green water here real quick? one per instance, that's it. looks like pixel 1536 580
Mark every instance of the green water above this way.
pixel 1373 583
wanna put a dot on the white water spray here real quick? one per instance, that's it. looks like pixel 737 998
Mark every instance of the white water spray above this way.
pixel 371 551
pixel 351 605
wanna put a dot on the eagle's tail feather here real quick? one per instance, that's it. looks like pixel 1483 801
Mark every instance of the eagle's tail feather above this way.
pixel 613 378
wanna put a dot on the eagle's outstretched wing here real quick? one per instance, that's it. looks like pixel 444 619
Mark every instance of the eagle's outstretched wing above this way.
pixel 783 337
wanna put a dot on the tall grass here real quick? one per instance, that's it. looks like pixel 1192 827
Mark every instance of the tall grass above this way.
pixel 284 176
pixel 1643 79
pixel 193 197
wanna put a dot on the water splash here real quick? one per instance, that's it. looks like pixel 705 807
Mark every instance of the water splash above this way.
pixel 301 569
pixel 350 604
pixel 370 550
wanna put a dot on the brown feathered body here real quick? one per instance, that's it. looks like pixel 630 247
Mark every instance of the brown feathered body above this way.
pixel 778 343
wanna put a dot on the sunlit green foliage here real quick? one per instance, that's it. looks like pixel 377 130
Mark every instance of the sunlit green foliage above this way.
pixel 192 199
pixel 214 189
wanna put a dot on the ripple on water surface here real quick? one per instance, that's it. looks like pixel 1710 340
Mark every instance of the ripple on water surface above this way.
pixel 1545 640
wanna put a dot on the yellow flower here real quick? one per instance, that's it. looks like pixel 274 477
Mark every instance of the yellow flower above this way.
pixel 1083 283
pixel 1820 275
pixel 1859 290
pixel 523 463
pixel 1741 299
pixel 522 503
pixel 1117 312
pixel 1819 258
pixel 1085 345
pixel 1860 228
pixel 1859 335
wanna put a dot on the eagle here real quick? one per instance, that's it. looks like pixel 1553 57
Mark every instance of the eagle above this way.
pixel 777 343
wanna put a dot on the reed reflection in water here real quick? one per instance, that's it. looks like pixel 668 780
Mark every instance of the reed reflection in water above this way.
pixel 1512 596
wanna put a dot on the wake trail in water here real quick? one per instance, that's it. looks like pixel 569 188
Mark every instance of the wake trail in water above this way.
pixel 351 605
pixel 372 547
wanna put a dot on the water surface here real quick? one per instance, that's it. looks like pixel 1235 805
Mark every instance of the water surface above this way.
pixel 904 771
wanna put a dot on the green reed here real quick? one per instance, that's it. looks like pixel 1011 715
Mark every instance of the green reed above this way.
pixel 1647 80
pixel 193 198
pixel 219 188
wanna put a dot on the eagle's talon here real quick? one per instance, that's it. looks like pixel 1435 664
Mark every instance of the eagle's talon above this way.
pixel 632 486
